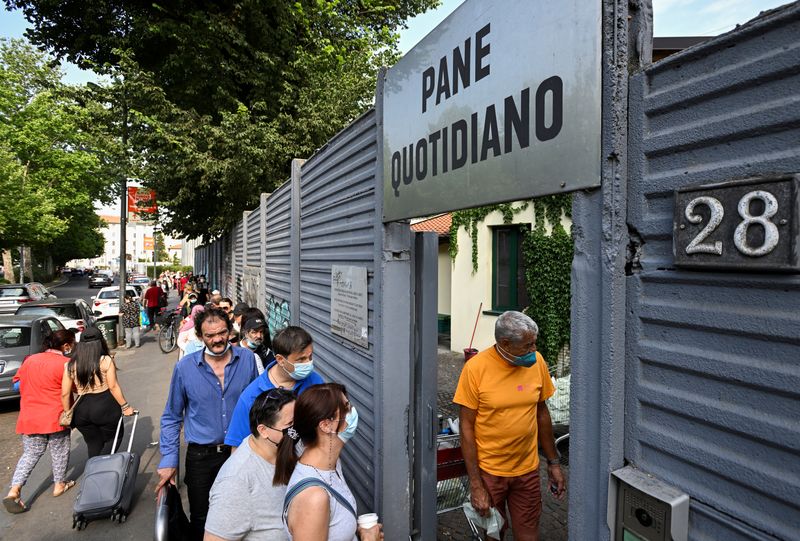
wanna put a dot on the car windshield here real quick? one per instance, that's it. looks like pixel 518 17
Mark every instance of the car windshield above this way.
pixel 113 294
pixel 14 337
pixel 12 292
pixel 65 310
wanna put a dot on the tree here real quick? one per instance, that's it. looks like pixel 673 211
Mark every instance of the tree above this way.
pixel 236 90
pixel 49 180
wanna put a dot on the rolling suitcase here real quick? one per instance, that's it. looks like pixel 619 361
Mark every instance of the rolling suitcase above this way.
pixel 108 483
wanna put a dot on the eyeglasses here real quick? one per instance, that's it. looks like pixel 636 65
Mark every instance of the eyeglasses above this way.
pixel 279 393
pixel 225 308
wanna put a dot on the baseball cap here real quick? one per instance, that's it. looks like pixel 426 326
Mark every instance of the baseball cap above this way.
pixel 254 323
pixel 240 308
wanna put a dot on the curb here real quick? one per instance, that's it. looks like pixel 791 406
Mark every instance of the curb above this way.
pixel 58 283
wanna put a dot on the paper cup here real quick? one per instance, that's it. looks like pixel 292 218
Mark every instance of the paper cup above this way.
pixel 367 520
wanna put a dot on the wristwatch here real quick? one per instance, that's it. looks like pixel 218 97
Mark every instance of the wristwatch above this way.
pixel 553 461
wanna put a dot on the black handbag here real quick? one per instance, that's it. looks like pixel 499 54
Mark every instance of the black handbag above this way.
pixel 172 524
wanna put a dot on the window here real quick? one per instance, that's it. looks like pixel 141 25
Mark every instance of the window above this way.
pixel 508 269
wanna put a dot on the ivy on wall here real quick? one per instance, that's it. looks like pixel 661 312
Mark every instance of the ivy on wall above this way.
pixel 469 220
pixel 548 265
pixel 547 260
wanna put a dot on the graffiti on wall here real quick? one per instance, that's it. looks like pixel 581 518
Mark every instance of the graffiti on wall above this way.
pixel 278 314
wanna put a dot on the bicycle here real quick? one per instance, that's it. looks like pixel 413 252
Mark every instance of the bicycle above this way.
pixel 168 335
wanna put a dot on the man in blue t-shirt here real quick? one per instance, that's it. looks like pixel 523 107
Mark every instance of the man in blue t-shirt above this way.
pixel 293 368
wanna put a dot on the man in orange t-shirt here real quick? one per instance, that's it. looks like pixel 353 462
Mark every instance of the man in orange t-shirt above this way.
pixel 502 393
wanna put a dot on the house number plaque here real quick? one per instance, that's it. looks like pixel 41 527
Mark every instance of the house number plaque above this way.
pixel 742 225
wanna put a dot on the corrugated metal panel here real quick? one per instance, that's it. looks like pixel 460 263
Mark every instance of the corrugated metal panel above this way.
pixel 337 224
pixel 712 375
pixel 277 258
pixel 238 257
pixel 253 252
pixel 200 258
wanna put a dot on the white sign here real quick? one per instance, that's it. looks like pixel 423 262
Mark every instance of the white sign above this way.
pixel 349 304
pixel 500 102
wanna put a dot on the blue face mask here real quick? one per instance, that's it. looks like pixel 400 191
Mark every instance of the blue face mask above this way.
pixel 352 423
pixel 301 370
pixel 212 354
pixel 525 361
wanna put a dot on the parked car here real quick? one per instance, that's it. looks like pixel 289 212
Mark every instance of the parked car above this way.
pixel 138 287
pixel 75 314
pixel 14 295
pixel 106 302
pixel 101 278
pixel 19 337
pixel 141 280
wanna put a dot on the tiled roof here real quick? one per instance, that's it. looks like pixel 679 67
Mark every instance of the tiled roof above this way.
pixel 438 224
pixel 110 219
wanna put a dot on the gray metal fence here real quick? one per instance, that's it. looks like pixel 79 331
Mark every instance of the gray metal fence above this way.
pixel 329 213
pixel 713 387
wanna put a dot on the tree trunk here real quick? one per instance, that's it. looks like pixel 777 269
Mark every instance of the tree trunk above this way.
pixel 28 264
pixel 8 266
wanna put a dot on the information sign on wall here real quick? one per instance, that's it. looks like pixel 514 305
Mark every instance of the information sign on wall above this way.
pixel 349 304
pixel 500 102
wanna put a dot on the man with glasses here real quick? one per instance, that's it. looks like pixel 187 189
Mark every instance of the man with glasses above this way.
pixel 205 388
pixel 502 392
pixel 293 368
pixel 226 305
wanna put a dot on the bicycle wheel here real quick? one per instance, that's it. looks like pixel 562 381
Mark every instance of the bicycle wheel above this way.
pixel 167 340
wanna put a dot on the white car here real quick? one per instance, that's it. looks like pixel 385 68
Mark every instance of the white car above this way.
pixel 106 302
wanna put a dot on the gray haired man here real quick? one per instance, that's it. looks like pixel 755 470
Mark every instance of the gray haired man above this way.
pixel 503 419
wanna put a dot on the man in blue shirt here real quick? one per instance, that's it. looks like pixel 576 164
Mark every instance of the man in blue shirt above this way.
pixel 204 389
pixel 293 368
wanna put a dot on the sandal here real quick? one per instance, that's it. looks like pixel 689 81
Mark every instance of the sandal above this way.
pixel 14 505
pixel 67 485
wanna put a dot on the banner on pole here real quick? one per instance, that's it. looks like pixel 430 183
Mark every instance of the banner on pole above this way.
pixel 141 204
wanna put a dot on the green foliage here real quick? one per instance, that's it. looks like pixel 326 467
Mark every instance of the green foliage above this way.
pixel 49 181
pixel 221 96
pixel 547 260
pixel 469 220
pixel 166 268
pixel 548 267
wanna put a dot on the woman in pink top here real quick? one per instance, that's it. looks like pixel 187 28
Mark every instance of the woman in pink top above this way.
pixel 39 380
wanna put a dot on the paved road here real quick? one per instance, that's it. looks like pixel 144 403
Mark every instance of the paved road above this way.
pixel 144 376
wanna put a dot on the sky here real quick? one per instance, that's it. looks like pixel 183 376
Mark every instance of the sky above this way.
pixel 670 18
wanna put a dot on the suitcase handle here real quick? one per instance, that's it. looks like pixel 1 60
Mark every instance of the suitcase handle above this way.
pixel 119 427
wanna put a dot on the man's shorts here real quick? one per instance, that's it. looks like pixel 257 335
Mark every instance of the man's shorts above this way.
pixel 524 498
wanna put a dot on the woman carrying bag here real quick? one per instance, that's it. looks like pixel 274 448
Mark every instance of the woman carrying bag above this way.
pixel 39 380
pixel 100 402
pixel 131 321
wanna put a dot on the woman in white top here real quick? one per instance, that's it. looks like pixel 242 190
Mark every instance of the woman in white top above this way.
pixel 246 499
pixel 319 505
pixel 92 373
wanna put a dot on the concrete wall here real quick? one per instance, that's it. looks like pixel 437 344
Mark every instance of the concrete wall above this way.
pixel 445 266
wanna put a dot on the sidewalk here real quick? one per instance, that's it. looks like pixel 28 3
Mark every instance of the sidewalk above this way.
pixel 144 376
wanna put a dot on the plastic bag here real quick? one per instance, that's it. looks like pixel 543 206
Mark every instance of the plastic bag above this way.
pixel 144 321
pixel 492 523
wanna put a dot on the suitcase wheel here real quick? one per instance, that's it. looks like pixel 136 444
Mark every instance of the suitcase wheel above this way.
pixel 123 518
pixel 79 524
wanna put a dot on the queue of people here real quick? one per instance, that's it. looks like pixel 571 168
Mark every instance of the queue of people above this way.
pixel 265 432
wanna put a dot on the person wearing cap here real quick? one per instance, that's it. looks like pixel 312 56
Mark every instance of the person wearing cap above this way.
pixel 293 368
pixel 255 337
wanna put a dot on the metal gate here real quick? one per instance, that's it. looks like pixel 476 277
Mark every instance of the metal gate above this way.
pixel 712 379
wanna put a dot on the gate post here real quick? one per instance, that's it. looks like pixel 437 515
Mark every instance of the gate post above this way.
pixel 598 285
pixel 294 301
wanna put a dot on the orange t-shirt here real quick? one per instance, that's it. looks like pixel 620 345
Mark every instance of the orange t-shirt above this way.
pixel 505 397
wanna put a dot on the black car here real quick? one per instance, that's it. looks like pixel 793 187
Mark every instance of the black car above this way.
pixel 19 337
